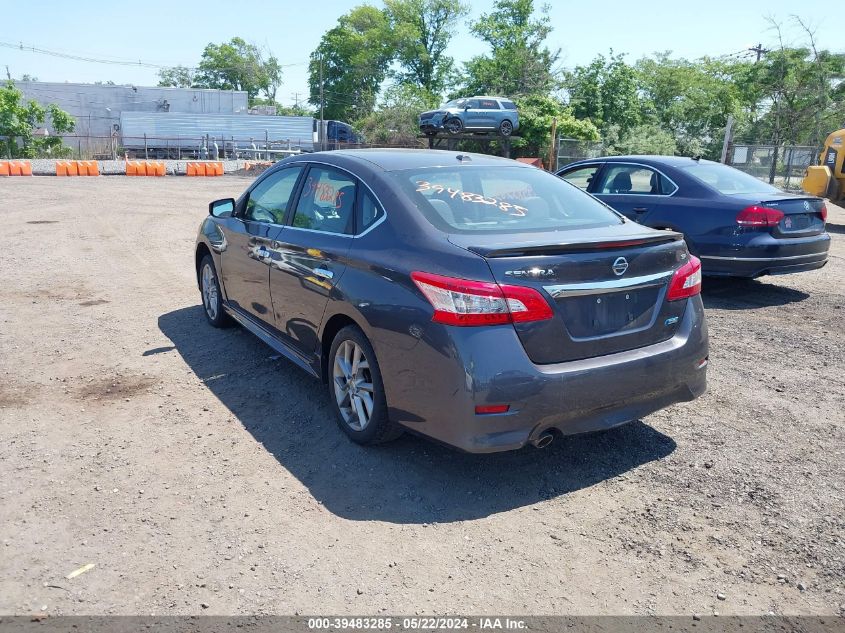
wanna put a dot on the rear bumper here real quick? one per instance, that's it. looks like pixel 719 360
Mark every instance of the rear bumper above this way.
pixel 456 369
pixel 759 266
pixel 763 254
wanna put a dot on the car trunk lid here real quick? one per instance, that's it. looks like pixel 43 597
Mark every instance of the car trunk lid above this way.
pixel 802 217
pixel 608 294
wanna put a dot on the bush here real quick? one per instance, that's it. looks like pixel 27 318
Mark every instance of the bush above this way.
pixel 19 120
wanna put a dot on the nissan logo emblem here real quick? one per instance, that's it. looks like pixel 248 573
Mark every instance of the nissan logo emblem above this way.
pixel 620 266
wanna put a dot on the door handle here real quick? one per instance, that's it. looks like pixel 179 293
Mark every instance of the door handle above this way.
pixel 640 209
pixel 325 273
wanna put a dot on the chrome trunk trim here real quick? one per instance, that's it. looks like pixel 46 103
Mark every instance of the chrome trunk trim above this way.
pixel 559 291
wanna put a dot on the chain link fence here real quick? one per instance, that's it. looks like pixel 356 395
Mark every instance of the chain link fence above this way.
pixel 781 165
pixel 570 150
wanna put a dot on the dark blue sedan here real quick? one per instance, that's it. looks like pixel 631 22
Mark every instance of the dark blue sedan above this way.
pixel 473 299
pixel 737 225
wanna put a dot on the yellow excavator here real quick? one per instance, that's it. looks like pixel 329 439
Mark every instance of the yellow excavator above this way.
pixel 827 179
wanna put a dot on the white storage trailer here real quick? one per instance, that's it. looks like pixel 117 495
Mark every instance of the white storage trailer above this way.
pixel 166 133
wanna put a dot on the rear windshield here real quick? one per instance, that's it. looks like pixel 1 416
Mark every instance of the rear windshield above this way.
pixel 726 179
pixel 468 199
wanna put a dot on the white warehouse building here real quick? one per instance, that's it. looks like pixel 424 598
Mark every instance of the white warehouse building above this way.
pixel 97 107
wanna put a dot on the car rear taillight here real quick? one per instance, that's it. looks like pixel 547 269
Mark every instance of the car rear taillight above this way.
pixel 465 302
pixel 759 216
pixel 823 213
pixel 686 282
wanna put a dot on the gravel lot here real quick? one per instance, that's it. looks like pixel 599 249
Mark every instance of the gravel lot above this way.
pixel 199 474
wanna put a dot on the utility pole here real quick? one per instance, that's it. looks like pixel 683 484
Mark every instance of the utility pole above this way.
pixel 8 74
pixel 553 147
pixel 322 106
pixel 759 50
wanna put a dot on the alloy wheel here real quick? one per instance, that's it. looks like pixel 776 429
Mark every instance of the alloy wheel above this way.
pixel 353 385
pixel 453 126
pixel 506 128
pixel 210 297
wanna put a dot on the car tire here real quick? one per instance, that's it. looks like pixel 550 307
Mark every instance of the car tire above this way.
pixel 506 128
pixel 454 125
pixel 212 298
pixel 361 409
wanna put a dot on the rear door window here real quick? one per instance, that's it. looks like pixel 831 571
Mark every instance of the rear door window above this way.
pixel 629 179
pixel 369 212
pixel 489 104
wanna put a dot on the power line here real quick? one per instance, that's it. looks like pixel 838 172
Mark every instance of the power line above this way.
pixel 117 62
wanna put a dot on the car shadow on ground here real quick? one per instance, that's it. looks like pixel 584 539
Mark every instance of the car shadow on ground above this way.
pixel 411 480
pixel 835 228
pixel 746 294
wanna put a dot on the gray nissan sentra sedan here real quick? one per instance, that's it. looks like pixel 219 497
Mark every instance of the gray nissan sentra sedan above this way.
pixel 478 301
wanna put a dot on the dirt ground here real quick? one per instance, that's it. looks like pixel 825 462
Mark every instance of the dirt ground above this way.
pixel 200 474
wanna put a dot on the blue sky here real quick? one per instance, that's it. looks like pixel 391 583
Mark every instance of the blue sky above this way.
pixel 170 33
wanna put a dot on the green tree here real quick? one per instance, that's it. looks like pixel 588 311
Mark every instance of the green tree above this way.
pixel 422 30
pixel 648 138
pixel 176 77
pixel 797 93
pixel 294 110
pixel 19 120
pixel 605 91
pixel 395 121
pixel 536 114
pixel 690 99
pixel 239 65
pixel 355 56
pixel 519 63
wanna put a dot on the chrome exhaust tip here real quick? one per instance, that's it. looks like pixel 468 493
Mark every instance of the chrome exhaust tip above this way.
pixel 544 440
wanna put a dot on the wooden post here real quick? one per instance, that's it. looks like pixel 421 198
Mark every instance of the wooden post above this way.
pixel 553 147
pixel 727 140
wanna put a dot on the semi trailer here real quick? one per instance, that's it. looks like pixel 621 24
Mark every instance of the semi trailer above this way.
pixel 178 135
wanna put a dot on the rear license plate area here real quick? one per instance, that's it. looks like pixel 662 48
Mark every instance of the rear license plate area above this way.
pixel 591 316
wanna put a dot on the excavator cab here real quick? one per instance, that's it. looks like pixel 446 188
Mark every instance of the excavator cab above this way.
pixel 827 179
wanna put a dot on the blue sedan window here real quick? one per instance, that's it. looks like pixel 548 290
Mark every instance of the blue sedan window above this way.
pixel 726 179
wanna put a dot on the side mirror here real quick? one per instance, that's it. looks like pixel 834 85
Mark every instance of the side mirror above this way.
pixel 222 208
pixel 466 107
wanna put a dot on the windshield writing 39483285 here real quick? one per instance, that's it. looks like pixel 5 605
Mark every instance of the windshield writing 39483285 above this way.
pixel 466 196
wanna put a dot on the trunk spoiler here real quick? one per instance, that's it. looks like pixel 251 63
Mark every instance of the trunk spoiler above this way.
pixel 580 246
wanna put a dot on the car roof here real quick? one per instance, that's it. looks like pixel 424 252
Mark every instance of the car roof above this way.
pixel 482 97
pixel 648 159
pixel 394 159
